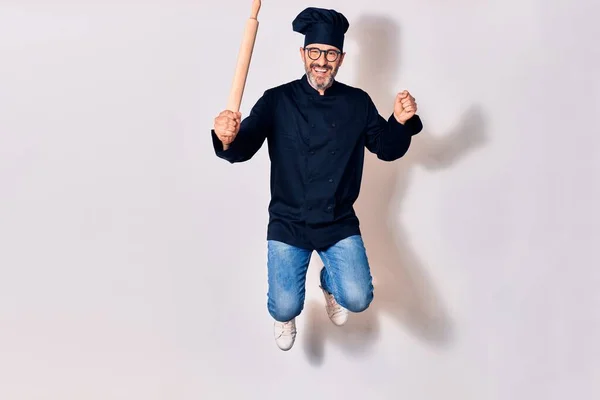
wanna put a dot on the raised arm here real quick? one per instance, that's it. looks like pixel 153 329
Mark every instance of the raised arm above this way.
pixel 248 134
pixel 391 139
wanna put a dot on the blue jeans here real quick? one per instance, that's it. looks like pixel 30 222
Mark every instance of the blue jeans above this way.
pixel 346 275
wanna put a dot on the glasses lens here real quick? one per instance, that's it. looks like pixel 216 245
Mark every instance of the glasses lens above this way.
pixel 332 55
pixel 314 54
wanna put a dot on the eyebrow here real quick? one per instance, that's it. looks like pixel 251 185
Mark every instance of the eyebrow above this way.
pixel 326 49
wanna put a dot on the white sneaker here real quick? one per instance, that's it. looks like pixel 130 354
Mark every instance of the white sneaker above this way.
pixel 337 314
pixel 285 334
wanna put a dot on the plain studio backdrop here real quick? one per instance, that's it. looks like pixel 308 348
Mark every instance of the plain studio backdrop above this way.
pixel 133 260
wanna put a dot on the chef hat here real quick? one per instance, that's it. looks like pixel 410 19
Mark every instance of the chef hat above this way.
pixel 321 26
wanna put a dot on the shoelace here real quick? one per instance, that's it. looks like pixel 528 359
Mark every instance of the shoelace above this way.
pixel 287 328
pixel 332 305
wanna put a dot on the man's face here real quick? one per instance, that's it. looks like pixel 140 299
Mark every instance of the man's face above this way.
pixel 321 63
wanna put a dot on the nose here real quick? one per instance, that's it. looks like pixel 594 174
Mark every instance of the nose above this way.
pixel 322 56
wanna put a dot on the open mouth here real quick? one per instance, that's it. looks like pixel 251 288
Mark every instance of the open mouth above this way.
pixel 320 71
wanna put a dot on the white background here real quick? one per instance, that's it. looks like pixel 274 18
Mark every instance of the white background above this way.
pixel 132 259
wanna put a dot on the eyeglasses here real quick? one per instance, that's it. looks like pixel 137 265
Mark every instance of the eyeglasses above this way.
pixel 315 53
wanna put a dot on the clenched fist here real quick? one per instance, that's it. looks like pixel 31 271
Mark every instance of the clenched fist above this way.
pixel 227 126
pixel 405 107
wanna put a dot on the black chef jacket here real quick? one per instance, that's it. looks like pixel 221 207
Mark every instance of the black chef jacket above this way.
pixel 316 147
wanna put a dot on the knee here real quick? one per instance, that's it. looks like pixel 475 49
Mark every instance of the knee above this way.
pixel 356 300
pixel 285 308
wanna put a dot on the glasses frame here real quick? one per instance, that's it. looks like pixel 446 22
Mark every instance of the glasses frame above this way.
pixel 323 52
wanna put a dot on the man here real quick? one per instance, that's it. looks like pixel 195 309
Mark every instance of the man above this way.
pixel 317 129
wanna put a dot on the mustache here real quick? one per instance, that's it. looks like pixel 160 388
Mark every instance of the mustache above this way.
pixel 313 65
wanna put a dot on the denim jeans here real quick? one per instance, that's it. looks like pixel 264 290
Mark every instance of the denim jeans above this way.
pixel 346 275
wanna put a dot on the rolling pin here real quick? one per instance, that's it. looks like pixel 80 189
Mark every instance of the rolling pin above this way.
pixel 243 61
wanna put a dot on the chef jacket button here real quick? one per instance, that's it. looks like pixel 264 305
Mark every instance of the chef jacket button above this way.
pixel 333 125
pixel 331 180
pixel 329 208
pixel 332 152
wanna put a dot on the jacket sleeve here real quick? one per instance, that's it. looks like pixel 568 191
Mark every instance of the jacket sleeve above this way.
pixel 389 139
pixel 254 129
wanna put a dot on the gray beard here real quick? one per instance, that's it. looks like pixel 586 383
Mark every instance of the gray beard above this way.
pixel 320 86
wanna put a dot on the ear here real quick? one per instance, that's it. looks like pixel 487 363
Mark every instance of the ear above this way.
pixel 302 54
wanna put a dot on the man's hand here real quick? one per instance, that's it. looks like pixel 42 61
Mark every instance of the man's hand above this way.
pixel 227 126
pixel 405 107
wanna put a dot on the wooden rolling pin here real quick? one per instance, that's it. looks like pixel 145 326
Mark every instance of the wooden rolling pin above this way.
pixel 243 61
